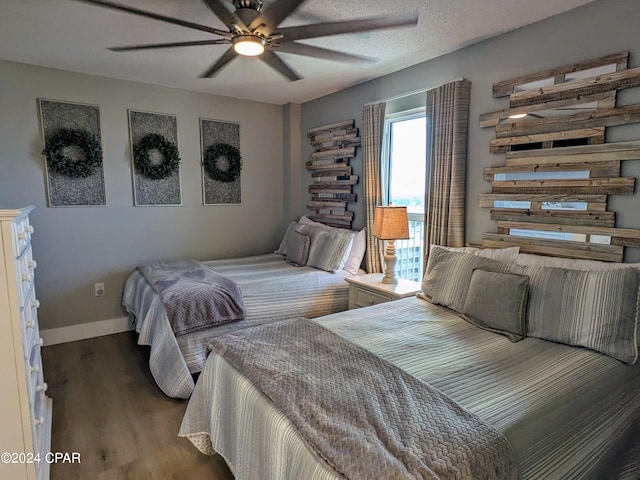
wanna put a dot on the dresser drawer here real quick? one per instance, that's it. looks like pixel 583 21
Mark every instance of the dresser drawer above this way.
pixel 26 274
pixel 35 381
pixel 38 409
pixel 29 315
pixel 365 298
pixel 38 420
pixel 21 235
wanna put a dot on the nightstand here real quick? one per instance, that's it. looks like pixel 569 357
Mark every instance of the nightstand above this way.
pixel 367 290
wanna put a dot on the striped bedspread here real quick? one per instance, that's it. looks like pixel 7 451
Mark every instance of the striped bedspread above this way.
pixel 271 289
pixel 569 413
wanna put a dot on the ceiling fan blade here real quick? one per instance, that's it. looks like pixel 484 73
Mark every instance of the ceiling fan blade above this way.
pixel 276 12
pixel 317 52
pixel 228 18
pixel 129 48
pixel 155 16
pixel 220 63
pixel 275 62
pixel 348 26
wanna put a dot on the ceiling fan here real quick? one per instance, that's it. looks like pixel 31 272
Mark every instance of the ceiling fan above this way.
pixel 253 32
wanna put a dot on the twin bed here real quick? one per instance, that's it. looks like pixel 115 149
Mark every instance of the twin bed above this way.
pixel 567 410
pixel 272 289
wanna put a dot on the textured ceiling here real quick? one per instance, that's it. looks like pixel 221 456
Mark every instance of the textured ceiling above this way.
pixel 73 36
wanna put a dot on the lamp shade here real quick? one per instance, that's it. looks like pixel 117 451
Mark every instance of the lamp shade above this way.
pixel 391 223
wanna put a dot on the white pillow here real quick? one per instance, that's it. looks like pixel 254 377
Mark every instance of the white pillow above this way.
pixel 508 254
pixel 304 220
pixel 570 263
pixel 358 248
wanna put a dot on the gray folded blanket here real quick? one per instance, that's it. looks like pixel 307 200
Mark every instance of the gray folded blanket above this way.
pixel 194 296
pixel 365 417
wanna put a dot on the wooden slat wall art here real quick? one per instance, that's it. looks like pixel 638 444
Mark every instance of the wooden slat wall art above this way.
pixel 567 112
pixel 333 178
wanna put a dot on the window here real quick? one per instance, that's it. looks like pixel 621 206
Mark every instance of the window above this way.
pixel 403 179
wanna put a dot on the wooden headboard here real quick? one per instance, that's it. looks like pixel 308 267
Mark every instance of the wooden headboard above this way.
pixel 556 156
pixel 333 179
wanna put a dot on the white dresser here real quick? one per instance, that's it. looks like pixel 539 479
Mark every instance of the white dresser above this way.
pixel 25 409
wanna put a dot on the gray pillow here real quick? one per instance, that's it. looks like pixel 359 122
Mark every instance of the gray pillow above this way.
pixel 596 309
pixel 298 249
pixel 329 248
pixel 448 275
pixel 282 249
pixel 497 302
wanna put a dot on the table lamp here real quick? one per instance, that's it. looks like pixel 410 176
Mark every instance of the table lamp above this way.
pixel 390 223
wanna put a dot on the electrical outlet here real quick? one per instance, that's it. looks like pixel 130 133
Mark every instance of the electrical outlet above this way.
pixel 99 289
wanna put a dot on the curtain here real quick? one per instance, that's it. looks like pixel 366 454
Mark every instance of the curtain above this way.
pixel 447 129
pixel 372 134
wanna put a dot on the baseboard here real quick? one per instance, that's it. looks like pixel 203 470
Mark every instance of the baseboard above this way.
pixel 53 336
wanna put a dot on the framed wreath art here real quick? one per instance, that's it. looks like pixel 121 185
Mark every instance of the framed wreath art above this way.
pixel 220 151
pixel 73 153
pixel 56 148
pixel 221 162
pixel 142 157
pixel 155 159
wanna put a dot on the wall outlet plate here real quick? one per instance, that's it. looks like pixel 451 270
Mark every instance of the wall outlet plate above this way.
pixel 99 289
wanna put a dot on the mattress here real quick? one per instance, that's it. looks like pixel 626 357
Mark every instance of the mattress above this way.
pixel 271 288
pixel 568 412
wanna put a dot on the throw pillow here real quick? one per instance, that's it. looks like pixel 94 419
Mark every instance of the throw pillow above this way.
pixel 497 302
pixel 448 275
pixel 282 249
pixel 298 249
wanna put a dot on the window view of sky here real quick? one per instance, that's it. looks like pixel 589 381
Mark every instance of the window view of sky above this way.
pixel 408 164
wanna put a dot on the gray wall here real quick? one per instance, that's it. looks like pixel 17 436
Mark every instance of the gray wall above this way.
pixel 78 246
pixel 597 29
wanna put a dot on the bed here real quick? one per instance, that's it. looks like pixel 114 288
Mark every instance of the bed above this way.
pixel 568 412
pixel 272 289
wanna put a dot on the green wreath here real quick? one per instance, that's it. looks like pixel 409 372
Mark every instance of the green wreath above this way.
pixel 142 159
pixel 62 164
pixel 210 162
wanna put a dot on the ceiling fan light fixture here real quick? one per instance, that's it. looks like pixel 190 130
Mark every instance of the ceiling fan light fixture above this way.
pixel 518 115
pixel 248 45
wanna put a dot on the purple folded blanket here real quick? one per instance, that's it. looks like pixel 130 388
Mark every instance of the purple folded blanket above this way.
pixel 194 296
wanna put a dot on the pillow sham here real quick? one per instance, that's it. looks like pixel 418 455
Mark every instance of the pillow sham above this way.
pixel 448 275
pixel 595 309
pixel 282 249
pixel 578 264
pixel 497 302
pixel 358 249
pixel 508 254
pixel 329 249
pixel 298 249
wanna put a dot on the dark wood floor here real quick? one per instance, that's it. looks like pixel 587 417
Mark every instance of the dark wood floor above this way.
pixel 107 407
